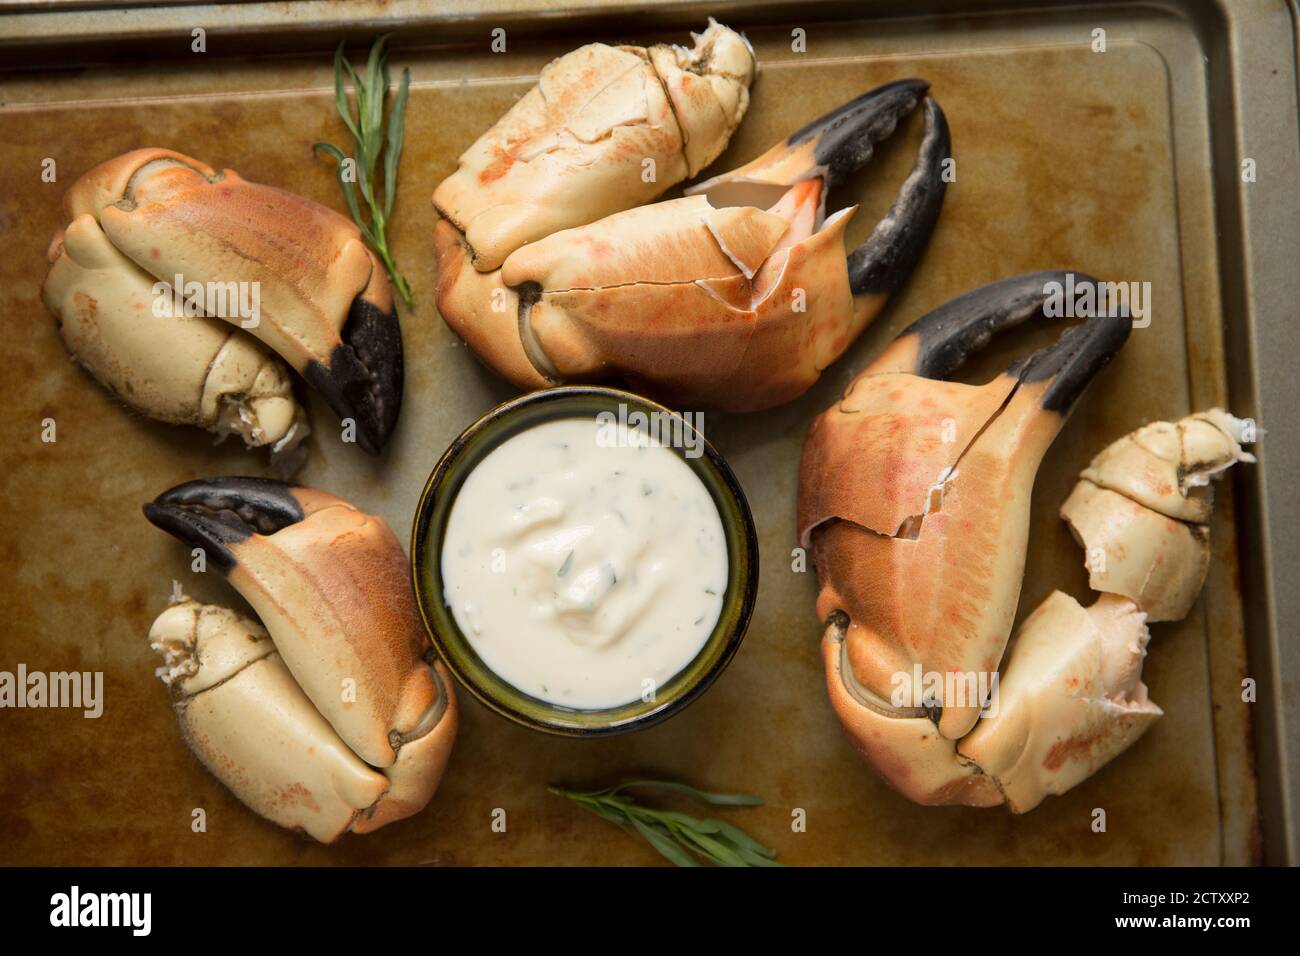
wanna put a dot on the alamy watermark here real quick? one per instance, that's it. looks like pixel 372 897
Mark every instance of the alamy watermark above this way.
pixel 1088 298
pixel 228 300
pixel 940 689
pixel 77 690
pixel 634 428
pixel 130 910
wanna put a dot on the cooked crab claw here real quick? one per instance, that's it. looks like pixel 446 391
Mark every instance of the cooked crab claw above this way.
pixel 733 297
pixel 283 269
pixel 333 717
pixel 914 492
pixel 914 497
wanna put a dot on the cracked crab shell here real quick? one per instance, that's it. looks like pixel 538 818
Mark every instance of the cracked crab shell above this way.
pixel 664 296
pixel 1141 510
pixel 578 146
pixel 944 598
pixel 1155 560
pixel 181 370
pixel 1168 466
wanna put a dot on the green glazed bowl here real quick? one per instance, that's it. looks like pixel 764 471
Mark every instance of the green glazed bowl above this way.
pixel 427 534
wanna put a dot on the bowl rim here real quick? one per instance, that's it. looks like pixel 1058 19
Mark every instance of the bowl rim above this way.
pixel 421 528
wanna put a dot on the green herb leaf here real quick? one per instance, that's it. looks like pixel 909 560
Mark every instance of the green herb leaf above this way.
pixel 681 819
pixel 756 859
pixel 360 89
pixel 349 188
pixel 396 136
pixel 717 799
pixel 741 840
pixel 723 854
pixel 369 142
pixel 340 94
pixel 678 837
pixel 372 122
pixel 659 837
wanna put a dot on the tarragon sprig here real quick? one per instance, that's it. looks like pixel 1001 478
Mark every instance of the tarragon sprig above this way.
pixel 369 139
pixel 679 837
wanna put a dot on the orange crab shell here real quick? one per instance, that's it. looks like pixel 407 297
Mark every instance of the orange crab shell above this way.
pixel 922 543
pixel 667 296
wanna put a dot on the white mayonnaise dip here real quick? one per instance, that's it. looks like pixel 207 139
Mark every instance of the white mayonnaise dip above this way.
pixel 584 572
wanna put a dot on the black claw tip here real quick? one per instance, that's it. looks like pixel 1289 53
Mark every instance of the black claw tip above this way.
pixel 950 333
pixel 847 135
pixel 955 330
pixel 217 513
pixel 882 263
pixel 363 380
pixel 1074 361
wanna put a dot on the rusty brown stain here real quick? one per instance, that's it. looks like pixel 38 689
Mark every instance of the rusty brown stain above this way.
pixel 501 163
pixel 1071 748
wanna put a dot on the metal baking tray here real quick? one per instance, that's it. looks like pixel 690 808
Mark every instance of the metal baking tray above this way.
pixel 1125 164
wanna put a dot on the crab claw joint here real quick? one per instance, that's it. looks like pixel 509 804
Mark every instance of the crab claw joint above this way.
pixel 263 262
pixel 329 715
pixel 1070 700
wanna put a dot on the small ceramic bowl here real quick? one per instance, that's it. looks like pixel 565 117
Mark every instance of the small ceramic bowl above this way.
pixel 427 534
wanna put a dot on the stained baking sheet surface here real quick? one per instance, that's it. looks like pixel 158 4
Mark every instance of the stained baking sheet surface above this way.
pixel 1065 158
